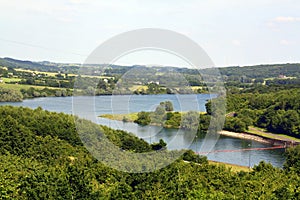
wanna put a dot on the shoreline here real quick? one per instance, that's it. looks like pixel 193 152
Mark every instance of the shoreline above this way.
pixel 268 138
pixel 261 139
pixel 245 136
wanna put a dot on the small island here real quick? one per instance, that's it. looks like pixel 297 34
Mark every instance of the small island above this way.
pixel 165 116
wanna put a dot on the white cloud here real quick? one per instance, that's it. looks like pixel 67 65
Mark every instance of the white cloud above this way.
pixel 271 24
pixel 78 1
pixel 274 24
pixel 236 42
pixel 286 19
pixel 65 19
pixel 285 42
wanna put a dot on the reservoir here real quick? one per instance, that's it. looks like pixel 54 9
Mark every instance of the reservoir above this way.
pixel 175 139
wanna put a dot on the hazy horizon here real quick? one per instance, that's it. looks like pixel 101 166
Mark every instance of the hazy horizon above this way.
pixel 148 65
pixel 233 33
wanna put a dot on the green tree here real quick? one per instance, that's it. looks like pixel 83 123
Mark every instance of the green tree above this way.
pixel 143 118
pixel 168 105
pixel 190 120
pixel 292 162
pixel 159 146
pixel 235 124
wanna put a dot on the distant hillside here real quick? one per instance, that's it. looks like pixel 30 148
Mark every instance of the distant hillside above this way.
pixel 251 72
pixel 10 62
pixel 263 71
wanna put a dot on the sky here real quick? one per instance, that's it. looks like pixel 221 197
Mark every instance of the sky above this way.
pixel 232 32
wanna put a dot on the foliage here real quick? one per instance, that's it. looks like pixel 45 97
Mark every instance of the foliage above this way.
pixel 10 95
pixel 292 160
pixel 158 117
pixel 159 146
pixel 42 158
pixel 276 111
pixel 190 156
pixel 173 120
pixel 143 118
pixel 235 124
pixel 190 120
pixel 168 106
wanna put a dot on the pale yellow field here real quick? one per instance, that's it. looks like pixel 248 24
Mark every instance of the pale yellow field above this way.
pixel 55 73
pixel 119 117
pixel 19 86
pixel 36 72
pixel 8 80
pixel 138 87
pixel 234 168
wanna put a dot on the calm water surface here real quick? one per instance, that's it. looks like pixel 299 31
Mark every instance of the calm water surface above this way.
pixel 174 138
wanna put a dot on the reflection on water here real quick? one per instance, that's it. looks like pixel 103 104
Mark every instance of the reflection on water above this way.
pixel 174 138
pixel 182 140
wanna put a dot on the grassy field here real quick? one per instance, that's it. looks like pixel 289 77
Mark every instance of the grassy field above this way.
pixel 289 137
pixel 100 77
pixel 36 72
pixel 119 117
pixel 5 68
pixel 53 74
pixel 19 86
pixel 234 168
pixel 196 87
pixel 9 80
pixel 264 133
pixel 138 87
pixel 287 77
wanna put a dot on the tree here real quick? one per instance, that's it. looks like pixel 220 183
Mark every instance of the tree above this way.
pixel 235 124
pixel 191 156
pixel 208 108
pixel 168 106
pixel 143 118
pixel 10 95
pixel 160 110
pixel 292 162
pixel 159 146
pixel 190 120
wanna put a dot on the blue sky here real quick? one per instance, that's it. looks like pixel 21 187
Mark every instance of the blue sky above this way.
pixel 232 32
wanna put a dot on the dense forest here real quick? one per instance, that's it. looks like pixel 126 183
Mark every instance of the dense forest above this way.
pixel 274 110
pixel 42 157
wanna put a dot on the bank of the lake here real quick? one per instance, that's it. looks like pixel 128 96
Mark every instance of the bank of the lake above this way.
pixel 253 133
pixel 245 136
pixel 264 137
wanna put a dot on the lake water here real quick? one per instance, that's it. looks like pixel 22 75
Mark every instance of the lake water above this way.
pixel 91 107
